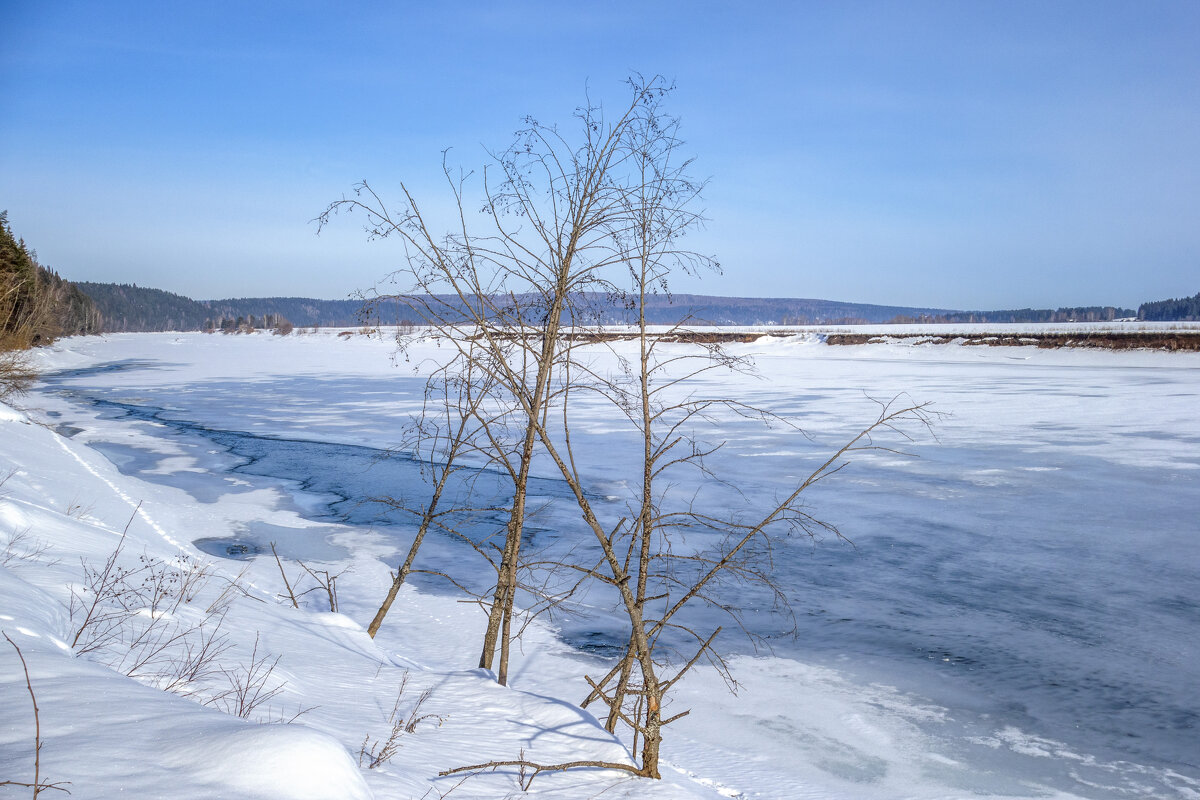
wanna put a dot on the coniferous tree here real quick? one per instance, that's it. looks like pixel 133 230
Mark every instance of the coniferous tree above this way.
pixel 1183 309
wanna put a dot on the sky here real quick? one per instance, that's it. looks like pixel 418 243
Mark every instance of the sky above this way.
pixel 964 155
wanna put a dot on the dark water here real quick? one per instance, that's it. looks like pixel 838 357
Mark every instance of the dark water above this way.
pixel 1043 591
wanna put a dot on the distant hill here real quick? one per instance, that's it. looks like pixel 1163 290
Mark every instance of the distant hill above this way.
pixel 299 310
pixel 127 307
pixel 768 311
pixel 133 308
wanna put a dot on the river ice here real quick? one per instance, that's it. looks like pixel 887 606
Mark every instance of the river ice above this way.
pixel 1018 608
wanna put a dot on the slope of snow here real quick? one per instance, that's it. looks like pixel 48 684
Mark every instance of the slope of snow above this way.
pixel 109 735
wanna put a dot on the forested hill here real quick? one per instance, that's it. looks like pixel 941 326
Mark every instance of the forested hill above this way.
pixel 127 307
pixel 765 310
pixel 36 304
pixel 132 308
pixel 662 310
pixel 1187 308
pixel 1075 314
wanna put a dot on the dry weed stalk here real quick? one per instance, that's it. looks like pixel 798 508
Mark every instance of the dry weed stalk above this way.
pixel 99 626
pixel 373 753
pixel 38 784
pixel 325 582
pixel 140 621
pixel 249 685
pixel 22 546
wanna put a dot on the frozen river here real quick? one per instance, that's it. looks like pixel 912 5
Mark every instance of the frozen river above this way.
pixel 1028 581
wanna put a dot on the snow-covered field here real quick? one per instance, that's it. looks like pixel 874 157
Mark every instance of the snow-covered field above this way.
pixel 1017 618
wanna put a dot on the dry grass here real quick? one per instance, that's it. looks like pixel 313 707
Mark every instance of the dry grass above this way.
pixel 376 752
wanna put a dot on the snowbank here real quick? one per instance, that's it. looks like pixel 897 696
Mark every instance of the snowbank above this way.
pixel 63 511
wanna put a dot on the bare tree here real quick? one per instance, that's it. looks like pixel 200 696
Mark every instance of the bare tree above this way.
pixel 551 205
pixel 450 427
pixel 654 579
pixel 564 220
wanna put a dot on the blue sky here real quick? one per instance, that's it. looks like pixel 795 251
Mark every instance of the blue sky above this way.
pixel 949 154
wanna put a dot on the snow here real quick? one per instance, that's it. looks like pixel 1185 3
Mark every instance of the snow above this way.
pixel 109 736
pixel 794 729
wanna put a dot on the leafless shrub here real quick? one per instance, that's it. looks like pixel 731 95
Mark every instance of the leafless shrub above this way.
pixel 78 509
pixel 249 685
pixel 325 582
pixel 17 373
pixel 232 591
pixel 99 607
pixel 375 752
pixel 174 656
pixel 38 784
pixel 22 546
pixel 113 593
pixel 153 591
pixel 139 620
pixel 137 623
pixel 167 585
pixel 7 476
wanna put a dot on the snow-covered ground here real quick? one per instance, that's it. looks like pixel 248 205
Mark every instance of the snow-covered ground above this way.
pixel 1020 598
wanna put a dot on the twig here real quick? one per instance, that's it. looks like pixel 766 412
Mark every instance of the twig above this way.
pixel 373 754
pixel 286 583
pixel 101 587
pixel 37 784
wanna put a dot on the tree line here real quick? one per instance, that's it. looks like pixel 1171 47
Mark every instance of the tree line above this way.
pixel 37 306
pixel 1185 309
pixel 1078 314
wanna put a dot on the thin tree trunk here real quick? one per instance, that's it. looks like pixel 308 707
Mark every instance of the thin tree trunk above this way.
pixel 500 614
pixel 404 570
pixel 506 576
pixel 505 641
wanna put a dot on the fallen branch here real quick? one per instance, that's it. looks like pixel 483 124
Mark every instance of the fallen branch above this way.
pixel 527 780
